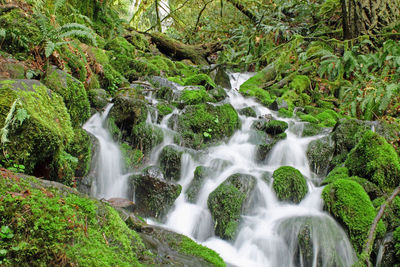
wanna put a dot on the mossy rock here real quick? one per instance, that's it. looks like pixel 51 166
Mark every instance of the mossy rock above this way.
pixel 391 217
pixel 285 113
pixel 319 153
pixel 200 79
pixel 111 79
pixel 311 129
pixel 217 121
pixel 12 70
pixel 337 173
pixel 139 41
pixel 278 104
pixel 350 205
pixel 266 146
pixel 218 93
pixel 200 173
pixel 194 96
pixel 132 157
pixel 145 137
pixel 154 196
pixel 163 110
pixel 80 148
pixel 227 203
pixel 271 127
pixel 300 83
pixel 248 112
pixel 289 184
pixel 376 160
pixel 97 98
pixel 222 78
pixel 73 93
pixel 255 85
pixel 127 112
pixel 41 129
pixel 170 162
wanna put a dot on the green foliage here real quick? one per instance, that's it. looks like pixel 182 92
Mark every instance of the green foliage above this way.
pixel 45 225
pixel 195 96
pixel 376 160
pixel 189 247
pixel 200 79
pixel 347 201
pixel 289 184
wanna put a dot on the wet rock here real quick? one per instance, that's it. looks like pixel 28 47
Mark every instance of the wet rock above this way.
pixel 200 174
pixel 222 78
pixel 12 69
pixel 218 94
pixel 247 111
pixel 170 162
pixel 271 127
pixel 289 184
pixel 228 202
pixel 278 104
pixel 154 196
pixel 384 251
pixel 98 98
pixel 122 203
pixel 311 129
pixel 264 148
pixel 319 154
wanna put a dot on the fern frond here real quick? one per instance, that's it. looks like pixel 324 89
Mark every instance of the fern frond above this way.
pixel 390 90
pixel 49 48
pixel 58 4
pixel 79 34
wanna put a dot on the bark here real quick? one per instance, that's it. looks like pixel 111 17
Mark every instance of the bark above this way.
pixel 198 54
pixel 244 10
pixel 363 17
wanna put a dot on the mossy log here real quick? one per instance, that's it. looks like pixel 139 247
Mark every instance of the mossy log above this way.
pixel 198 54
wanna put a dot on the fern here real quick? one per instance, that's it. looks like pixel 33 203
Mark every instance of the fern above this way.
pixel 49 48
pixel 14 115
pixel 390 90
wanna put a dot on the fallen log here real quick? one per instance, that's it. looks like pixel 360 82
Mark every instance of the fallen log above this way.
pixel 198 54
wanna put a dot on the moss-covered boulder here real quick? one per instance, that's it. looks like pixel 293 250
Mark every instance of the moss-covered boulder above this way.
pixel 311 129
pixel 154 196
pixel 348 203
pixel 248 112
pixel 222 78
pixel 97 98
pixel 228 202
pixel 255 85
pixel 200 173
pixel 50 224
pixel 271 127
pixel 120 45
pixel 266 146
pixel 289 184
pixel 200 79
pixel 204 123
pixel 194 96
pixel 81 149
pixel 73 93
pixel 319 153
pixel 145 137
pixel 170 162
pixel 36 126
pixel 376 160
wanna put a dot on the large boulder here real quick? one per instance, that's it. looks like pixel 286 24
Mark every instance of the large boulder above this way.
pixel 350 205
pixel 98 98
pixel 228 202
pixel 73 93
pixel 271 127
pixel 170 162
pixel 289 184
pixel 266 146
pixel 376 160
pixel 205 123
pixel 154 196
pixel 319 154
pixel 36 128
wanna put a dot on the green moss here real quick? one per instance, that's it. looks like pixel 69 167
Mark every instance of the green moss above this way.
pixel 138 40
pixel 73 93
pixel 308 118
pixel 254 87
pixel 196 96
pixel 145 137
pixel 132 157
pixel 165 65
pixel 99 55
pixel 120 45
pixel 80 148
pixel 42 135
pixel 300 83
pixel 189 247
pixel 376 160
pixel 347 201
pixel 177 79
pixel 275 127
pixel 327 118
pixel 185 70
pixel 311 129
pixel 289 184
pixel 335 174
pixel 51 226
pixel 219 121
pixel 391 217
pixel 200 79
pixel 164 109
pixel 285 113
pixel 111 79
pixel 76 60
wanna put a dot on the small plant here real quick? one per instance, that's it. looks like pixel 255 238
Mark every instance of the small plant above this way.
pixel 207 134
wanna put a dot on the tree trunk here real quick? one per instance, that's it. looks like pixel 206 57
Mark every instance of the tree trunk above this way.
pixel 198 54
pixel 244 10
pixel 368 16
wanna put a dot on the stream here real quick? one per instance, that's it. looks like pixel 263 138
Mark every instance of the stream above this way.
pixel 270 231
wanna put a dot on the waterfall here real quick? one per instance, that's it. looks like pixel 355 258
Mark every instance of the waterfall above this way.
pixel 110 180
pixel 271 233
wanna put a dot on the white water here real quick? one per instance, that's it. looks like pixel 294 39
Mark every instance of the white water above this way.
pixel 269 230
pixel 110 180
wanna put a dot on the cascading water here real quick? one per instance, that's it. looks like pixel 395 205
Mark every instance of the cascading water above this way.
pixel 110 180
pixel 270 231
